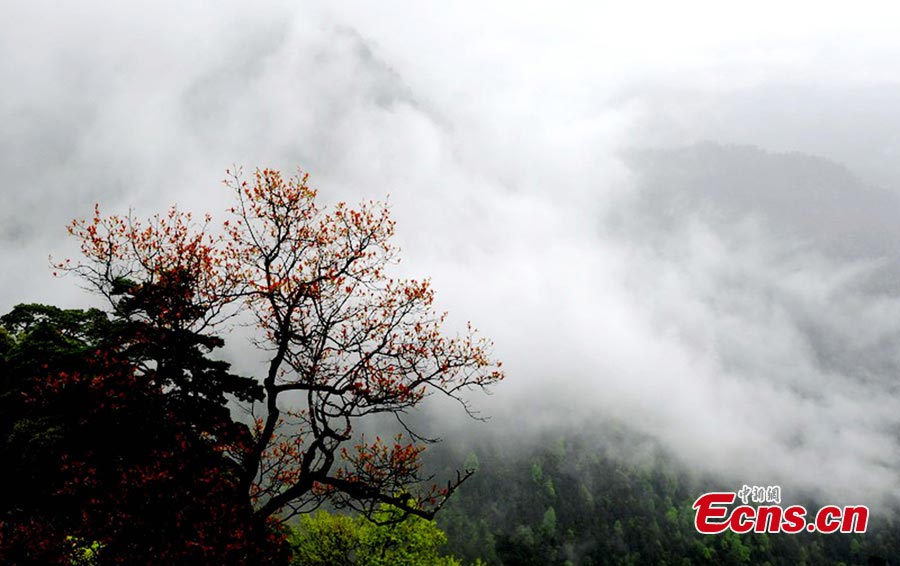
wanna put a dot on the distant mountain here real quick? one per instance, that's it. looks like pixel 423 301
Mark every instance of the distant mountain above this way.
pixel 797 196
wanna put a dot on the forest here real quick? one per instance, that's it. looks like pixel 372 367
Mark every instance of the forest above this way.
pixel 569 499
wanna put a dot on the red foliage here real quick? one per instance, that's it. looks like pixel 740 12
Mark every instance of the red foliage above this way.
pixel 350 339
pixel 131 475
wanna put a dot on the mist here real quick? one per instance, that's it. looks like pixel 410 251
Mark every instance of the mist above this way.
pixel 683 220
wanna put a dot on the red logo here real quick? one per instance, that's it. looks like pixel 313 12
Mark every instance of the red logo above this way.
pixel 714 516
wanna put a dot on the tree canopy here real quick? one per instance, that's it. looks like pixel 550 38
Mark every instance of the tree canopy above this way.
pixel 97 450
pixel 325 539
pixel 128 427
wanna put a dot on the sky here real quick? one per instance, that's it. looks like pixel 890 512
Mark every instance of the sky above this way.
pixel 675 215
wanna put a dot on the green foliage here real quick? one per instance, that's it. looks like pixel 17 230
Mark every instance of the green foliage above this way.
pixel 472 462
pixel 605 508
pixel 548 523
pixel 84 553
pixel 537 473
pixel 324 539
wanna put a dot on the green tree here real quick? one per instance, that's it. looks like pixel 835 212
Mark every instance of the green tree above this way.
pixel 325 539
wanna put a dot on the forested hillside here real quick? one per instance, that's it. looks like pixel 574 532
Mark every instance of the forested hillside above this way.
pixel 563 501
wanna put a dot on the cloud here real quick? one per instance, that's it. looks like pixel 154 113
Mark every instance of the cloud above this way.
pixel 732 303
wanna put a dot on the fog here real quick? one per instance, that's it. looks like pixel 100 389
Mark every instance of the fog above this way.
pixel 681 218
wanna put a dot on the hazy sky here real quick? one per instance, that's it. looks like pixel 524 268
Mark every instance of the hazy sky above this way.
pixel 738 304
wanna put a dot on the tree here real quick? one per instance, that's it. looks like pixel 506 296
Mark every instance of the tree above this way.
pixel 104 462
pixel 323 539
pixel 345 340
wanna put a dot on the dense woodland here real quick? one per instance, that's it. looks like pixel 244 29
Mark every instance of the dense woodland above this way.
pixel 569 499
